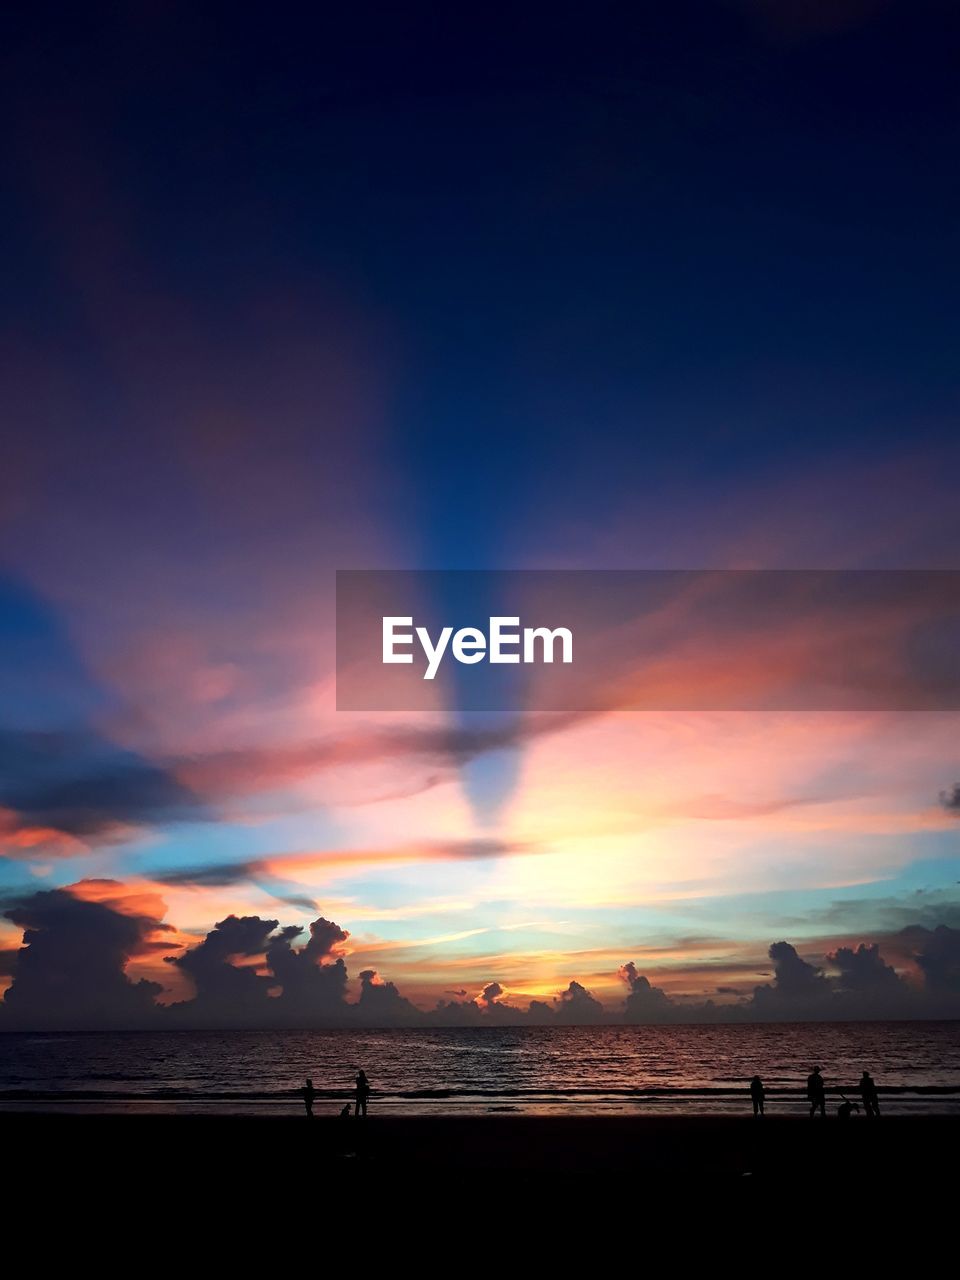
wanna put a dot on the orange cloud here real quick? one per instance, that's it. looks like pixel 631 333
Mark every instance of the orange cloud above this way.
pixel 26 841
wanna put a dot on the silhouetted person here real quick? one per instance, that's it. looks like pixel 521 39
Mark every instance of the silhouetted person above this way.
pixel 363 1092
pixel 868 1095
pixel 815 1093
pixel 757 1095
pixel 346 1133
pixel 308 1093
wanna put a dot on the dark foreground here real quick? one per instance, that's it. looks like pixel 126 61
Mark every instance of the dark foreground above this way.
pixel 549 1195
pixel 442 1153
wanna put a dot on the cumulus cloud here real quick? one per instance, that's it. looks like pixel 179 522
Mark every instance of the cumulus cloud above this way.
pixel 381 1003
pixel 799 989
pixel 644 1002
pixel 490 994
pixel 313 977
pixel 455 1013
pixel 249 971
pixel 576 1005
pixel 863 986
pixel 540 1012
pixel 863 970
pixel 228 988
pixel 70 971
pixel 487 1006
pixel 937 954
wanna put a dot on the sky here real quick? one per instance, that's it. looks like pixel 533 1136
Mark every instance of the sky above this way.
pixel 289 292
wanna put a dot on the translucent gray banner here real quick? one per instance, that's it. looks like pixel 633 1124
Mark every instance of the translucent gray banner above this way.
pixel 589 640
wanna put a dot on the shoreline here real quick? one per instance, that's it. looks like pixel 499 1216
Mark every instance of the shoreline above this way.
pixel 400 1111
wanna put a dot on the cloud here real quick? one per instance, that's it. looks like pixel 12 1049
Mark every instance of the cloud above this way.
pixel 864 986
pixel 381 1003
pixel 214 875
pixel 490 994
pixel 950 799
pixel 70 971
pixel 275 873
pixel 78 785
pixel 488 1006
pixel 644 1002
pixel 938 957
pixel 456 1013
pixel 313 978
pixel 227 989
pixel 888 919
pixel 247 972
pixel 718 808
pixel 257 872
pixel 576 1005
pixel 64 789
pixel 863 970
pixel 80 941
pixel 799 989
pixel 451 744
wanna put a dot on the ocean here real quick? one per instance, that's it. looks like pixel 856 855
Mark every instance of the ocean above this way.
pixel 481 1070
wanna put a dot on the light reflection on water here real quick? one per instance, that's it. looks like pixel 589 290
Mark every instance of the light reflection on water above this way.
pixel 544 1070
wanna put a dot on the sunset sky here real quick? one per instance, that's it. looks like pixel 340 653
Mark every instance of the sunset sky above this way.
pixel 295 301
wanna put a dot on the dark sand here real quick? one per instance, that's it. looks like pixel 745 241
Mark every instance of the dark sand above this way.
pixel 574 1150
pixel 252 1196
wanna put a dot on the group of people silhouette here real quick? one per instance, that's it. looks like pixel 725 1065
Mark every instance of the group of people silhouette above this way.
pixel 361 1094
pixel 816 1096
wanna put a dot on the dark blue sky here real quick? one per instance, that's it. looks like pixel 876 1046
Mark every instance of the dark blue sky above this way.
pixel 592 252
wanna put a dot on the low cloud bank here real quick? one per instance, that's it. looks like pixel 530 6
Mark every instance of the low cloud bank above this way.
pixel 78 942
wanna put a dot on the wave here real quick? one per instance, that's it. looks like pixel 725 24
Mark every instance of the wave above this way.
pixel 170 1094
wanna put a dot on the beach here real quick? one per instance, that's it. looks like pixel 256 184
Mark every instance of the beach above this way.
pixel 578 1151
pixel 552 1193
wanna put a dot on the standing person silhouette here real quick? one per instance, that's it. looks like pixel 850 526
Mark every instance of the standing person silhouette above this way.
pixel 308 1093
pixel 815 1093
pixel 757 1095
pixel 868 1095
pixel 363 1092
